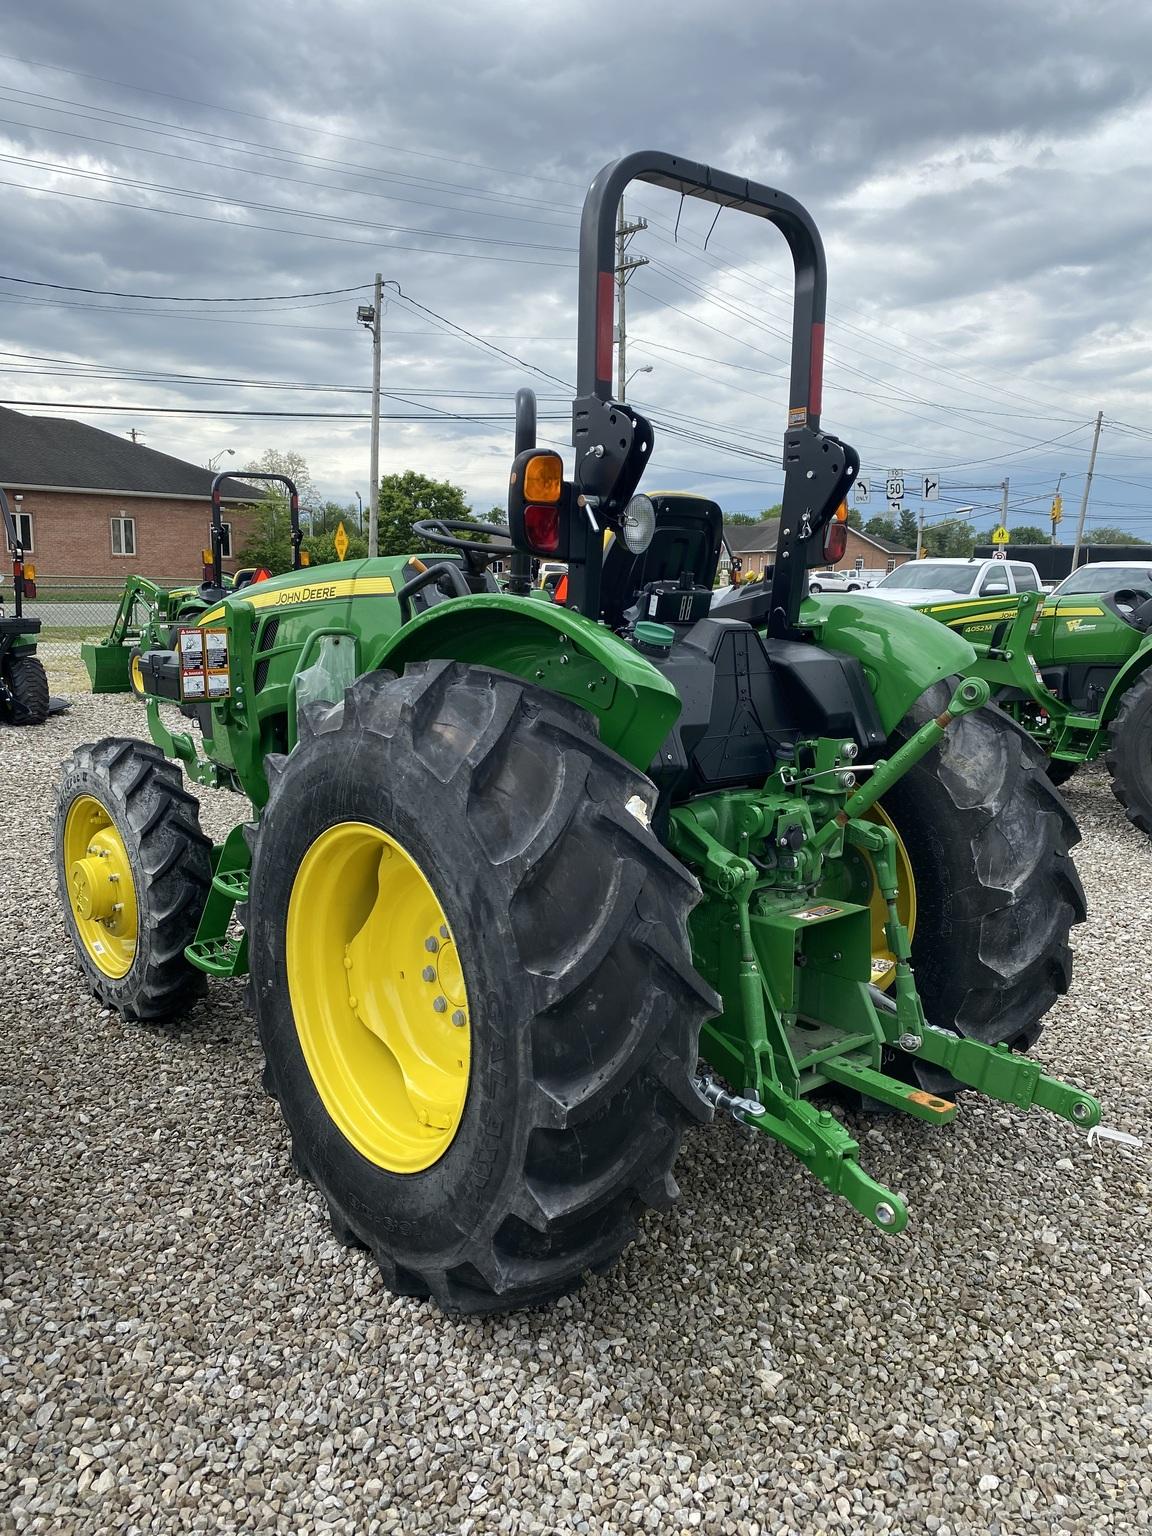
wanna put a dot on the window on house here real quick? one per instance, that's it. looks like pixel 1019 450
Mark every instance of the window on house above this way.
pixel 123 535
pixel 23 521
pixel 890 565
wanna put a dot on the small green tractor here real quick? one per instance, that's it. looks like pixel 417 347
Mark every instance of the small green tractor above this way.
pixel 528 888
pixel 1075 670
pixel 24 698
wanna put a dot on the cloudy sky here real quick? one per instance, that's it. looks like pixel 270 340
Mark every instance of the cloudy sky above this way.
pixel 982 174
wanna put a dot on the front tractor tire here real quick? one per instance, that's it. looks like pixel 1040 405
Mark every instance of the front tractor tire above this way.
pixel 24 697
pixel 472 978
pixel 133 870
pixel 1129 755
pixel 989 841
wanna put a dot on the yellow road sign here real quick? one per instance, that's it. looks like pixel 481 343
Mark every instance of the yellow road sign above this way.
pixel 999 535
pixel 341 542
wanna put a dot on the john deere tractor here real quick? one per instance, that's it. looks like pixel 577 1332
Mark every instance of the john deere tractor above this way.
pixel 1075 669
pixel 24 698
pixel 528 889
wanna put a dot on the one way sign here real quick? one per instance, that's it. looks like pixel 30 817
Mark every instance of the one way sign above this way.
pixel 932 487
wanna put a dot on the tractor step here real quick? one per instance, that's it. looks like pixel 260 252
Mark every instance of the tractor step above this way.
pixel 232 883
pixel 218 957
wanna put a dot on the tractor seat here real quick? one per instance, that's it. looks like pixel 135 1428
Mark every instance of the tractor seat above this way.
pixel 684 553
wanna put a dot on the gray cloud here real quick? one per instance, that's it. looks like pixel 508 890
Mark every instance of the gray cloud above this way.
pixel 981 174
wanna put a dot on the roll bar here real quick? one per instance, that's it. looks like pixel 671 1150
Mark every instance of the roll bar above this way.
pixel 217 518
pixel 12 533
pixel 612 441
pixel 520 565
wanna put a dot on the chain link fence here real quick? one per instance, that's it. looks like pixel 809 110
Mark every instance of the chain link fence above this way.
pixel 72 610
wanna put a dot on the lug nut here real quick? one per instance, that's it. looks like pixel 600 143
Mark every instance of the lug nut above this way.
pixel 429 973
pixel 431 946
pixel 440 1005
pixel 459 1018
pixel 443 931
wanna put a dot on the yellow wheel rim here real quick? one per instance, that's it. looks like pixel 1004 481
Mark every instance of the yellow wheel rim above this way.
pixel 883 960
pixel 378 997
pixel 101 891
pixel 136 675
pixel 856 881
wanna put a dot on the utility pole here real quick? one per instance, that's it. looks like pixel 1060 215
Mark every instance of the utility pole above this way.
pixel 920 534
pixel 370 319
pixel 625 266
pixel 1004 504
pixel 1087 488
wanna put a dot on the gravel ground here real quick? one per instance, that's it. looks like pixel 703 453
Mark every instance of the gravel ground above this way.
pixel 183 1346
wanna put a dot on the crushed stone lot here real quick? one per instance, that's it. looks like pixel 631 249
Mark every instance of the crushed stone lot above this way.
pixel 185 1347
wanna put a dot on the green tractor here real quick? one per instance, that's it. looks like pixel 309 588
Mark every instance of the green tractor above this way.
pixel 1075 670
pixel 528 889
pixel 24 698
pixel 148 614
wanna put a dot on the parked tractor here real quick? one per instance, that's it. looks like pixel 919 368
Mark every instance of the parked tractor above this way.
pixel 1075 669
pixel 24 696
pixel 528 889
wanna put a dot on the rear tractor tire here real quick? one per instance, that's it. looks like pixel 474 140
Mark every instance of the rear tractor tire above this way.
pixel 133 869
pixel 1060 770
pixel 26 683
pixel 472 979
pixel 989 841
pixel 1129 755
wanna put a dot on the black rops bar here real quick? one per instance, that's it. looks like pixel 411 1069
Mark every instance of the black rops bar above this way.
pixel 217 518
pixel 520 565
pixel 818 469
pixel 12 533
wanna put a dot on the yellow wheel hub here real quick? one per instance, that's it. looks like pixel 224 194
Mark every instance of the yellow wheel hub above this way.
pixel 136 676
pixel 378 997
pixel 883 960
pixel 101 891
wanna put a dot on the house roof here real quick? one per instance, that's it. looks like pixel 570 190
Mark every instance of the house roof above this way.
pixel 752 538
pixel 885 544
pixel 51 451
pixel 760 538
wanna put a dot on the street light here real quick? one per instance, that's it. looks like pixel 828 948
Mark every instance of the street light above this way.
pixel 647 368
pixel 214 461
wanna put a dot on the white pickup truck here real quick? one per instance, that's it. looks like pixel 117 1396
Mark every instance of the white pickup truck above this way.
pixel 931 581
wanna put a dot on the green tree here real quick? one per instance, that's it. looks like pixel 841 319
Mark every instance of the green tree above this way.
pixel 907 529
pixel 409 497
pixel 1028 533
pixel 952 537
pixel 883 528
pixel 740 519
pixel 1112 536
pixel 286 461
pixel 322 546
pixel 328 516
pixel 854 518
pixel 269 539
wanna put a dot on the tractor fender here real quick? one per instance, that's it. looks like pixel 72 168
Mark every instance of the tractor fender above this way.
pixel 554 648
pixel 903 652
pixel 1134 667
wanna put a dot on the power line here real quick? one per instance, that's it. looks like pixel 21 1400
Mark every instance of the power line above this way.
pixel 136 183
pixel 176 298
pixel 275 229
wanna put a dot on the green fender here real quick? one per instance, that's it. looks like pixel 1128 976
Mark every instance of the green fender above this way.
pixel 558 649
pixel 902 651
pixel 1127 675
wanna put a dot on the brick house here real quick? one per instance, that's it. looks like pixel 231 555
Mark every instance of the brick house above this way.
pixel 91 504
pixel 755 544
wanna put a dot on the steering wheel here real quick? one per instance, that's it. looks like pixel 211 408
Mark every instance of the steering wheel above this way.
pixel 1132 597
pixel 446 531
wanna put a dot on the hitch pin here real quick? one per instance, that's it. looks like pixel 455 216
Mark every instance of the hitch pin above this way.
pixel 1106 1133
pixel 732 1103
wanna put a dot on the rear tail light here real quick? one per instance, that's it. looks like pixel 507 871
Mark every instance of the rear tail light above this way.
pixel 835 542
pixel 542 527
